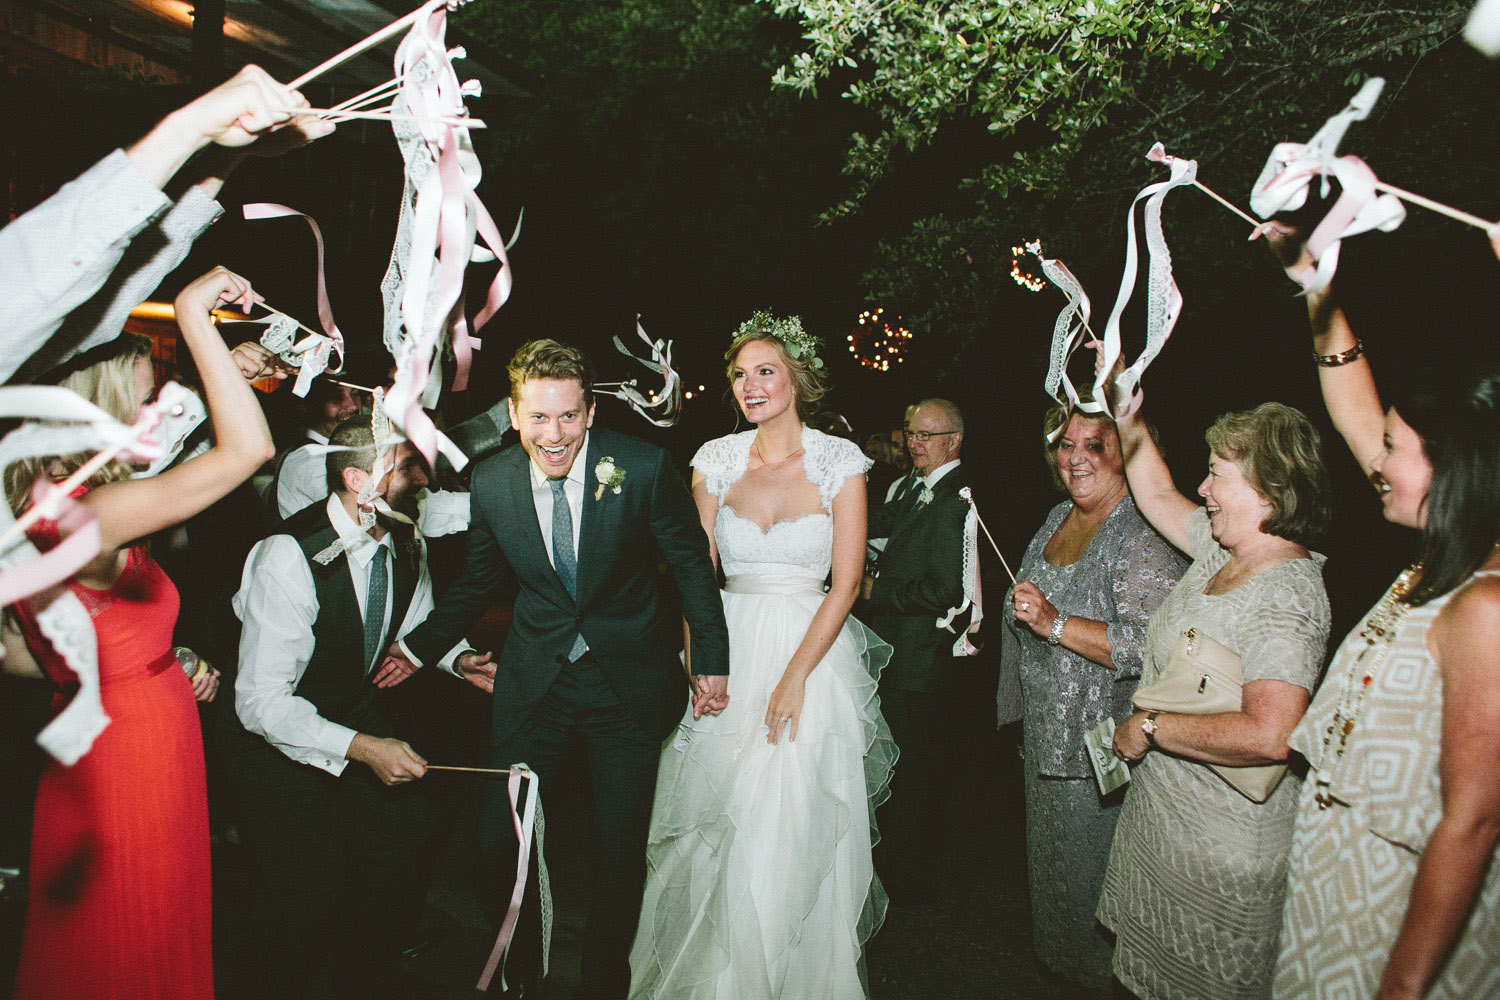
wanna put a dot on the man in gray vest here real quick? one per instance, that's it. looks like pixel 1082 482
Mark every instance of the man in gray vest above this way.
pixel 339 833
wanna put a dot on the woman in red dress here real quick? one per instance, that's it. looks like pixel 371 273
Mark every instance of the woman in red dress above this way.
pixel 119 903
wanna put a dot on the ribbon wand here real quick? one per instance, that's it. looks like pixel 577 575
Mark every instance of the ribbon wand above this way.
pixel 969 496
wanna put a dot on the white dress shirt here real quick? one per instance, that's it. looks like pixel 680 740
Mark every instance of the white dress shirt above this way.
pixel 935 476
pixel 278 603
pixel 304 476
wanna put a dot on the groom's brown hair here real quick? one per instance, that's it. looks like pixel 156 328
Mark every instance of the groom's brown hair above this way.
pixel 538 359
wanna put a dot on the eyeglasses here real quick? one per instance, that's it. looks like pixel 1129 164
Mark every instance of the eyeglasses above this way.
pixel 925 436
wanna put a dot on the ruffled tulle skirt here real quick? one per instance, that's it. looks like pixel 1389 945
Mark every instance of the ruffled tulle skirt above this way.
pixel 760 884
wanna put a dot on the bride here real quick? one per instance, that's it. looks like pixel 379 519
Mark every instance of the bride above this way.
pixel 760 883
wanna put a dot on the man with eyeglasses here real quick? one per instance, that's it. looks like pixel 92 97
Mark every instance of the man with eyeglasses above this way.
pixel 918 580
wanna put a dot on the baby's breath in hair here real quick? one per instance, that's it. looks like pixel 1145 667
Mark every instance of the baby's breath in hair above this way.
pixel 798 342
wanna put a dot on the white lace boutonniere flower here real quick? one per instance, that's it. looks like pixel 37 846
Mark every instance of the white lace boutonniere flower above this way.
pixel 609 474
pixel 925 497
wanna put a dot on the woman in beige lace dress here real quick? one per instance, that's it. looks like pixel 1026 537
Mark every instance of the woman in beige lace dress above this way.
pixel 1193 890
pixel 1395 879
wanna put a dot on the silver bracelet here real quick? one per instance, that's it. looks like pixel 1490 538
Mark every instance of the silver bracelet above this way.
pixel 1058 624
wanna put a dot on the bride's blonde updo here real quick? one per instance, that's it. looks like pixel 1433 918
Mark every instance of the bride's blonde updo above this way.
pixel 797 350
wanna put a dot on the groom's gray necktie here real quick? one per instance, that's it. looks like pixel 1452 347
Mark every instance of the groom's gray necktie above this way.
pixel 564 560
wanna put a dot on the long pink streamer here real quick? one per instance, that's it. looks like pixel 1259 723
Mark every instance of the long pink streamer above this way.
pixel 271 210
pixel 524 829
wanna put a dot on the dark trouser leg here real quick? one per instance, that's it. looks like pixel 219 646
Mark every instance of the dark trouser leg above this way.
pixel 292 832
pixel 911 818
pixel 623 762
pixel 539 743
pixel 387 833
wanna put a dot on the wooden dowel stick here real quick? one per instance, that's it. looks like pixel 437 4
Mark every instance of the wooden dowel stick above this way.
pixel 1257 223
pixel 471 770
pixel 391 29
pixel 351 385
pixel 34 513
pixel 1436 206
pixel 996 548
pixel 305 329
pixel 386 116
pixel 369 95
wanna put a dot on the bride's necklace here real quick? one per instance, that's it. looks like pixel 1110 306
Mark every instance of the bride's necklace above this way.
pixel 767 463
pixel 1379 632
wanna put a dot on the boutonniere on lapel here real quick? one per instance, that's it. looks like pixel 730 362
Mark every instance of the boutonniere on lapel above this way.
pixel 924 498
pixel 609 475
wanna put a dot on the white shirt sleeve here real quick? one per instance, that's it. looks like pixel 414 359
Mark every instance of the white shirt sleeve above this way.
pixel 304 480
pixel 278 604
pixel 442 512
pixel 56 256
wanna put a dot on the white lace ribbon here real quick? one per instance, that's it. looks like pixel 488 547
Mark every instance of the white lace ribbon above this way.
pixel 528 836
pixel 973 590
pixel 1284 182
pixel 1069 326
pixel 1163 299
pixel 660 408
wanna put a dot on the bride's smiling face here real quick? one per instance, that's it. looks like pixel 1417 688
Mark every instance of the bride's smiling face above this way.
pixel 762 385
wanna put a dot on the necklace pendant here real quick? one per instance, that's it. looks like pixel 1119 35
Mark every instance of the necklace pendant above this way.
pixel 1348 726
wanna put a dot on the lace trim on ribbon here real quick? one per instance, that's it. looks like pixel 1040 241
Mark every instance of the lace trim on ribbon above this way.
pixel 1070 324
pixel 1163 299
pixel 973 588
pixel 528 833
pixel 1288 174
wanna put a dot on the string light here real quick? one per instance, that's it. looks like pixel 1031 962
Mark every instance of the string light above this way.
pixel 877 342
pixel 1030 282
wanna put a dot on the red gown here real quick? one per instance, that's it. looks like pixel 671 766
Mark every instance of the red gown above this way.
pixel 119 905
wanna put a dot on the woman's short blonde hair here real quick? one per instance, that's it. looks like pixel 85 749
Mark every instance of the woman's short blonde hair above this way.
pixel 108 383
pixel 809 384
pixel 1281 455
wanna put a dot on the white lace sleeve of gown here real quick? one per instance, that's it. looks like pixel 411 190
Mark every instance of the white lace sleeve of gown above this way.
pixel 830 461
pixel 722 461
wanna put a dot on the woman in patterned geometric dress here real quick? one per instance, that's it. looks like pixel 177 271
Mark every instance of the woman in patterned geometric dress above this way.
pixel 1394 890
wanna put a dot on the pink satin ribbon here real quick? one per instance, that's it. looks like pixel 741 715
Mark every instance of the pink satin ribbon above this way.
pixel 524 829
pixel 271 210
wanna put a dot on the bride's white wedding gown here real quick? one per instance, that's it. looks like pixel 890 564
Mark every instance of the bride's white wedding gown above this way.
pixel 760 883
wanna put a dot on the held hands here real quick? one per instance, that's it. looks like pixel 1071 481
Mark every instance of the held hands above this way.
pixel 1288 245
pixel 239 110
pixel 478 669
pixel 397 667
pixel 710 695
pixel 256 363
pixel 220 286
pixel 1033 609
pixel 393 761
pixel 1130 740
pixel 785 709
pixel 206 686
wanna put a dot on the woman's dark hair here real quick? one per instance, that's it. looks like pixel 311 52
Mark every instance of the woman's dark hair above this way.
pixel 1459 425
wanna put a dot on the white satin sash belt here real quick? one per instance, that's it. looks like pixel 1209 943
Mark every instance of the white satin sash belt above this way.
pixel 772 583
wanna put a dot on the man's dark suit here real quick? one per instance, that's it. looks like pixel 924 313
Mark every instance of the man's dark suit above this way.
pixel 921 578
pixel 624 696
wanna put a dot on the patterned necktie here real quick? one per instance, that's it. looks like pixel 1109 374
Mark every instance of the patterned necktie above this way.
pixel 375 607
pixel 564 560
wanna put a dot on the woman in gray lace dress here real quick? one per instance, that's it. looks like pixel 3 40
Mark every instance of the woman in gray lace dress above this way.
pixel 1091 579
pixel 1197 872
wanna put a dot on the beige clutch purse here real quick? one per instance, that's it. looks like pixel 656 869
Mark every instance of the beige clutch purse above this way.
pixel 1202 677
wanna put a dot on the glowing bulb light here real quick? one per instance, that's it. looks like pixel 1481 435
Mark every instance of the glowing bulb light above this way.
pixel 878 339
pixel 1030 282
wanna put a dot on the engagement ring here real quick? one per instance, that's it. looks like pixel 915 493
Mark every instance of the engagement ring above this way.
pixel 1023 605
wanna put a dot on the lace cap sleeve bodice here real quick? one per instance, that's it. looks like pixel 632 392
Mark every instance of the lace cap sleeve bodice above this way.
pixel 723 460
pixel 829 462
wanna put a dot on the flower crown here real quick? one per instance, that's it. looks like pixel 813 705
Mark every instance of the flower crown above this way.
pixel 798 342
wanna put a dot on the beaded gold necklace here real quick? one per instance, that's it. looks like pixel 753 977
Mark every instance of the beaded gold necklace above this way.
pixel 1379 632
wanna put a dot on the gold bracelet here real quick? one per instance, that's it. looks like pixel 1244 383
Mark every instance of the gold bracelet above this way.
pixel 1343 357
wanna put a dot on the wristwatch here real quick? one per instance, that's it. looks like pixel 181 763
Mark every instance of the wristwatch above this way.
pixel 1148 726
pixel 1058 624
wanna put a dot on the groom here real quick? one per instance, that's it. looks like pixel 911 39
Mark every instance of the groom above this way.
pixel 580 519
